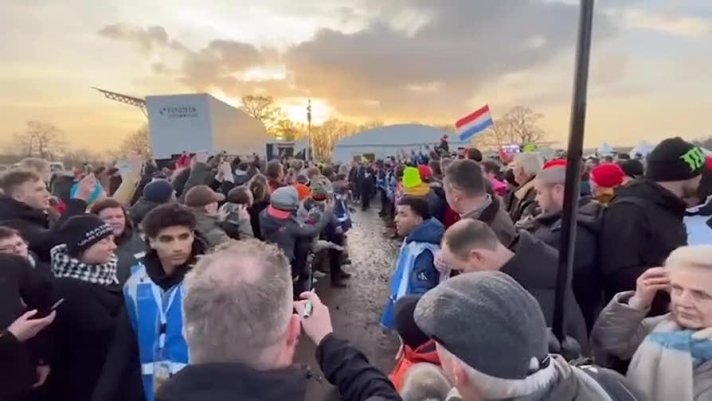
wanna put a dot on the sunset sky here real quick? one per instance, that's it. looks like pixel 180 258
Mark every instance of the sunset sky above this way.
pixel 396 61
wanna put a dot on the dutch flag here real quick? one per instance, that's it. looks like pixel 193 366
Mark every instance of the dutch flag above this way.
pixel 469 126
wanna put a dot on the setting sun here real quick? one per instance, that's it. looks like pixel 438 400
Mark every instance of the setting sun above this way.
pixel 296 110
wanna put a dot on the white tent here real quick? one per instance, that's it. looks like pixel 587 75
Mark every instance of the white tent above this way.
pixel 391 140
pixel 643 148
pixel 605 149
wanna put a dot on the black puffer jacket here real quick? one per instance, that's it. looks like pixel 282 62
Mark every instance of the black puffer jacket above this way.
pixel 587 281
pixel 84 327
pixel 642 226
pixel 535 267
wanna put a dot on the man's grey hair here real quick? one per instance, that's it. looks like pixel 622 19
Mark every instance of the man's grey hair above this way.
pixel 531 163
pixel 238 304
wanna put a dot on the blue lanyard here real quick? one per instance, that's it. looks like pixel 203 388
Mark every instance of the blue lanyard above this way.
pixel 163 311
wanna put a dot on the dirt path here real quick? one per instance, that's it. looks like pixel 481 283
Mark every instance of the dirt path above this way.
pixel 356 310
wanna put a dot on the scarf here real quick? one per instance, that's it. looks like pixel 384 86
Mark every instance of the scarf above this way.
pixel 64 265
pixel 664 364
pixel 475 214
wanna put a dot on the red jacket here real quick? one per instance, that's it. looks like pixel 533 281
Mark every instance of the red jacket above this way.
pixel 409 357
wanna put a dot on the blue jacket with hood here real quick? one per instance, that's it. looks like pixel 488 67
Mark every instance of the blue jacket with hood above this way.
pixel 415 271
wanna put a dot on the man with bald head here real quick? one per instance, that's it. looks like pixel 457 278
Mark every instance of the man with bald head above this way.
pixel 242 332
pixel 471 246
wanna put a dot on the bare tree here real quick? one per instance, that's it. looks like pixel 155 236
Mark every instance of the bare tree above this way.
pixel 40 139
pixel 138 143
pixel 523 125
pixel 324 136
pixel 77 157
pixel 265 109
pixel 520 125
pixel 288 130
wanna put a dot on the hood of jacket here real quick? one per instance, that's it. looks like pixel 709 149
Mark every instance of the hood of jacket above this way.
pixel 10 209
pixel 534 264
pixel 231 381
pixel 204 221
pixel 155 271
pixel 425 353
pixel 141 208
pixel 703 209
pixel 698 223
pixel 429 231
pixel 241 177
pixel 270 223
pixel 653 192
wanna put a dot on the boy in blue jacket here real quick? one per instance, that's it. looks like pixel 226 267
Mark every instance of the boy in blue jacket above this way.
pixel 415 271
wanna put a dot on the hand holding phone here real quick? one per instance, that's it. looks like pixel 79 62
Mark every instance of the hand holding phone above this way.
pixel 51 309
pixel 25 327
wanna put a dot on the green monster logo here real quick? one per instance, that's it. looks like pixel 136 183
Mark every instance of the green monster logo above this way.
pixel 695 158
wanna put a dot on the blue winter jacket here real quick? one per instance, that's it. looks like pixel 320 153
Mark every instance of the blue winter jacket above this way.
pixel 415 271
pixel 157 319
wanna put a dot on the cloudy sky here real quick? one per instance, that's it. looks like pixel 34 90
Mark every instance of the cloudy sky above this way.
pixel 395 61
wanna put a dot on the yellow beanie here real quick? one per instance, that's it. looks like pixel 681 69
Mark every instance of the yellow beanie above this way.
pixel 413 185
pixel 411 178
pixel 421 190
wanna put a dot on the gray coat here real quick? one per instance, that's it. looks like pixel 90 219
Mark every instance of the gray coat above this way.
pixel 209 227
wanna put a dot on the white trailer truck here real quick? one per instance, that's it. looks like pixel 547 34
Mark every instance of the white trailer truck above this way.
pixel 199 122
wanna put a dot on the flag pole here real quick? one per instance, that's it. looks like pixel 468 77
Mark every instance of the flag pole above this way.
pixel 573 171
pixel 309 155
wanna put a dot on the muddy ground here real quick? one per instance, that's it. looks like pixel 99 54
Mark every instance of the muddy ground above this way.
pixel 356 310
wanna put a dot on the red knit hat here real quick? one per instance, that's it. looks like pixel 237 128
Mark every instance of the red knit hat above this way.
pixel 555 163
pixel 609 175
pixel 425 172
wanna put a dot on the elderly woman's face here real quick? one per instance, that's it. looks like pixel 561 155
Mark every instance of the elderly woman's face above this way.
pixel 691 295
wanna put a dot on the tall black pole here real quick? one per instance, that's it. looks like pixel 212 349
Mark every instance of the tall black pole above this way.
pixel 573 170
